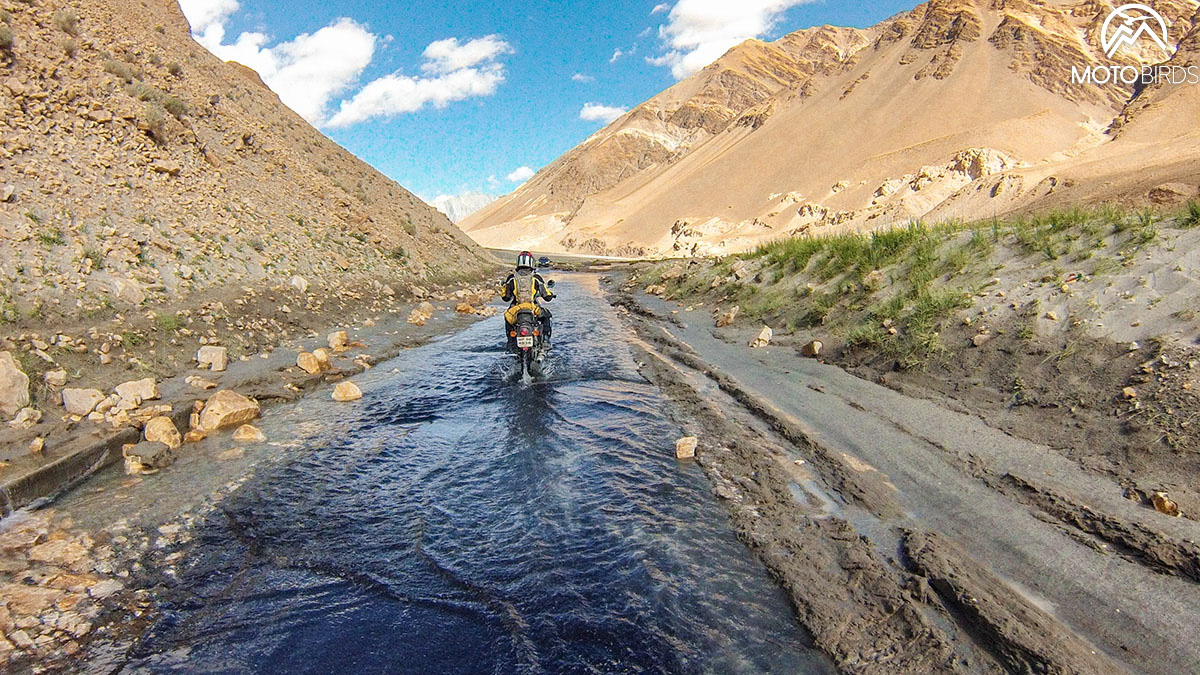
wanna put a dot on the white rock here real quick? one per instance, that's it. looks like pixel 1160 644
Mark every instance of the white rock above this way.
pixel 213 357
pixel 14 385
pixel 81 401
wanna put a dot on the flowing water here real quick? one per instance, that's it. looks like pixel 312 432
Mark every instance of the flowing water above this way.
pixel 456 521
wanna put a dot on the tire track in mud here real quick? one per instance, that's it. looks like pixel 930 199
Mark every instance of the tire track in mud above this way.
pixel 928 608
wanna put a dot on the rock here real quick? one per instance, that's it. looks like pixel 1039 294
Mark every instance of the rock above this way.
pixel 813 349
pixel 1130 393
pixel 656 289
pixel 147 457
pixel 1164 505
pixel 81 401
pixel 194 436
pixel 727 318
pixel 25 600
pixel 168 167
pixel 763 339
pixel 324 358
pixel 346 391
pixel 37 445
pixel 1053 316
pixel 232 453
pixel 201 383
pixel 105 589
pixel 14 386
pixel 308 363
pixel 162 430
pixel 339 341
pixel 126 290
pixel 421 313
pixel 8 193
pixel 62 552
pixel 55 378
pixel 26 418
pixel 226 409
pixel 138 390
pixel 299 283
pixel 213 358
pixel 464 308
pixel 685 448
pixel 981 339
pixel 249 434
pixel 21 639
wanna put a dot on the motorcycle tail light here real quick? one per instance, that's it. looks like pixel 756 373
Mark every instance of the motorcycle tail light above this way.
pixel 537 332
pixel 524 331
pixel 513 334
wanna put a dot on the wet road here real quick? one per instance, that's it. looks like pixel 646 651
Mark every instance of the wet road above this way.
pixel 455 522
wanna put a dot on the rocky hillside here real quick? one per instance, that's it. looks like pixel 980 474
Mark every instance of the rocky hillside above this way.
pixel 959 108
pixel 138 171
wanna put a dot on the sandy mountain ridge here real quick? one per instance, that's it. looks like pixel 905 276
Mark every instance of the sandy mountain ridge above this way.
pixel 137 169
pixel 958 108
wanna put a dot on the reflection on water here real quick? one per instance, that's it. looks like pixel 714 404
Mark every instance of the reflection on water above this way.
pixel 451 522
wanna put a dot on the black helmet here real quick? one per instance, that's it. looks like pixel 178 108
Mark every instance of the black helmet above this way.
pixel 525 261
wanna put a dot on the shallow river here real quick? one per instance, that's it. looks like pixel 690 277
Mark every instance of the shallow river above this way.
pixel 452 521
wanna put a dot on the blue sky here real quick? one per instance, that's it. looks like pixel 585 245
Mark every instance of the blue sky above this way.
pixel 447 100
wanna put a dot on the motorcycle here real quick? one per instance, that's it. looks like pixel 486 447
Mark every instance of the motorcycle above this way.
pixel 526 342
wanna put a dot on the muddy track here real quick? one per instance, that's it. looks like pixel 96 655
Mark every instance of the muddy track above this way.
pixel 899 599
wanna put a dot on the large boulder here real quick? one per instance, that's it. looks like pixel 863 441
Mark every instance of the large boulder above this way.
pixel 226 409
pixel 81 401
pixel 147 457
pixel 248 433
pixel 14 386
pixel 346 391
pixel 324 359
pixel 137 391
pixel 162 430
pixel 213 358
pixel 339 341
pixel 308 363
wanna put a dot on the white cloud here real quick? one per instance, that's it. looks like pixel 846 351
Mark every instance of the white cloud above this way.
pixel 659 9
pixel 617 53
pixel 447 56
pixel 396 93
pixel 311 70
pixel 580 77
pixel 521 175
pixel 599 111
pixel 306 72
pixel 698 32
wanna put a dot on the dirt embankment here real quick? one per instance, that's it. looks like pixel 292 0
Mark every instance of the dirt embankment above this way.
pixel 1076 329
pixel 897 601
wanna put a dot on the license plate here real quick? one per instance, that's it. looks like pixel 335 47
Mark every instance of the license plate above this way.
pixel 525 342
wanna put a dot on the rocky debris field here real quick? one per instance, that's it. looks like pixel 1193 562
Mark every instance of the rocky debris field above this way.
pixel 139 173
pixel 181 381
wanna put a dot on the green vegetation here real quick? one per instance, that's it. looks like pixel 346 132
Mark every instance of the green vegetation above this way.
pixel 175 69
pixel 119 69
pixel 95 256
pixel 6 38
pixel 175 106
pixel 67 21
pixel 167 323
pixel 156 121
pixel 51 236
pixel 69 46
pixel 895 291
pixel 1191 215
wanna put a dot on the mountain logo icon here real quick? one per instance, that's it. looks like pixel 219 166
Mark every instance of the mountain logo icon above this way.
pixel 1128 24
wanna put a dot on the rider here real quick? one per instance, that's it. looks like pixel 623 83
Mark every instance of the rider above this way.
pixel 522 289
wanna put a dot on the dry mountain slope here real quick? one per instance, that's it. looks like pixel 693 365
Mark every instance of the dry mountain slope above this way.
pixel 139 170
pixel 960 108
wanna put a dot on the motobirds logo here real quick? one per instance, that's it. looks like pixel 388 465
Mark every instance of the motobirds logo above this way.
pixel 1126 28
